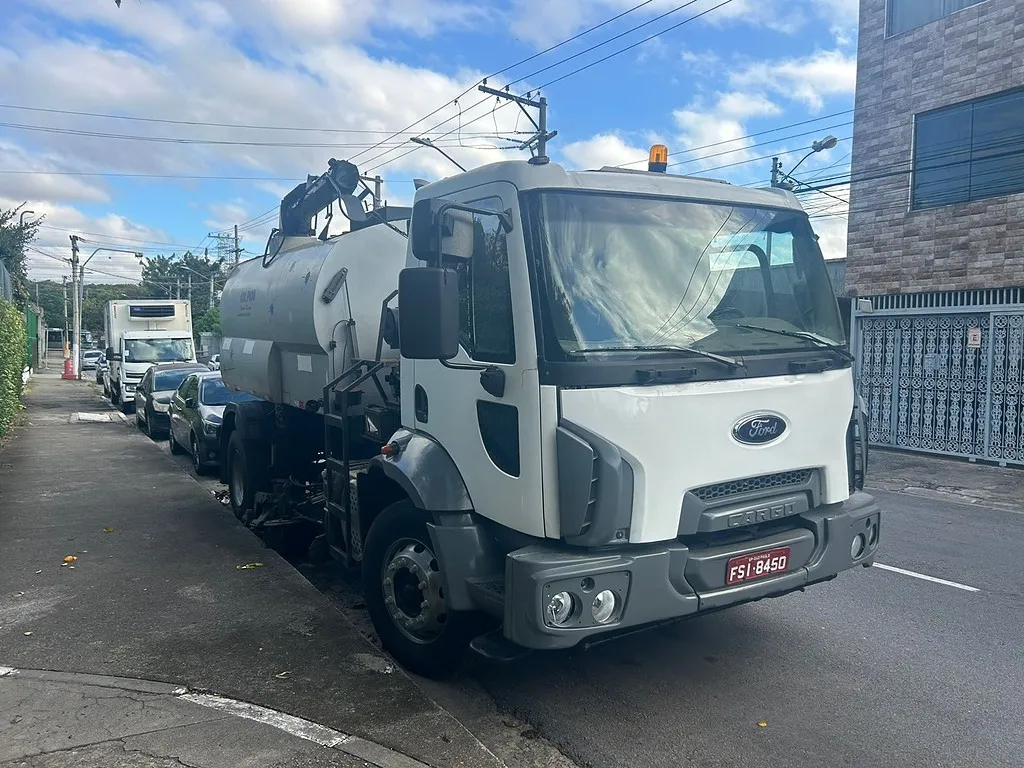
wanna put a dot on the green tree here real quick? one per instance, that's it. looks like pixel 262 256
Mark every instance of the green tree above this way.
pixel 51 299
pixel 15 236
pixel 168 277
pixel 12 362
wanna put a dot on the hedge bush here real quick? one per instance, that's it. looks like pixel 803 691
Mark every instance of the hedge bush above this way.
pixel 12 362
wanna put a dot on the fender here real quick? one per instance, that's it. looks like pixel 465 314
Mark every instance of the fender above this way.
pixel 249 419
pixel 424 470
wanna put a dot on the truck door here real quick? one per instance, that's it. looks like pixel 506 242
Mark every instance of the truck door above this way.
pixel 489 420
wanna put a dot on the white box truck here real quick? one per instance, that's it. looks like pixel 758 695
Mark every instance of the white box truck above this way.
pixel 141 333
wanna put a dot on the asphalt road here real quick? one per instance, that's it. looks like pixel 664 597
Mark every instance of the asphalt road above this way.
pixel 876 668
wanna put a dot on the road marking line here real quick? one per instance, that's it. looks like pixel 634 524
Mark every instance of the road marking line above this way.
pixel 5 671
pixel 925 577
pixel 296 726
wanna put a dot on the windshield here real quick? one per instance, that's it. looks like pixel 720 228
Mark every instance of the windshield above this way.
pixel 165 382
pixel 157 350
pixel 214 392
pixel 626 272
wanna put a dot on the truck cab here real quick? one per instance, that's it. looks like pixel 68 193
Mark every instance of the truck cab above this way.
pixel 140 334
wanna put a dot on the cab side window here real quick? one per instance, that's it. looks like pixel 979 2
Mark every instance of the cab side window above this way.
pixel 485 295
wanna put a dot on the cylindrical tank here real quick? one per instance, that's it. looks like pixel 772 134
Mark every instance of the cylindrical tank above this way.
pixel 292 326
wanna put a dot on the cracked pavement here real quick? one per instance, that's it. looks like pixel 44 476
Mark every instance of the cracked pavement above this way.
pixel 156 594
pixel 73 721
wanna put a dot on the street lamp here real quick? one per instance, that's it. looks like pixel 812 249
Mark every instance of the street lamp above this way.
pixel 424 142
pixel 818 146
pixel 80 297
pixel 21 219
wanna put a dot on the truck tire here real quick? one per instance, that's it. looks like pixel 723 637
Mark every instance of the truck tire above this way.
pixel 246 474
pixel 402 584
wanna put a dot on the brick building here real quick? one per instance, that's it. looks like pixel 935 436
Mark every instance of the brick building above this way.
pixel 936 225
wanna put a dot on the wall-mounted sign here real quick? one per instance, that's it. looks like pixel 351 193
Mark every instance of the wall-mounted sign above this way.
pixel 974 338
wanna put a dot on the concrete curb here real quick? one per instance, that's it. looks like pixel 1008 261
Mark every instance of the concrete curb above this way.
pixel 329 738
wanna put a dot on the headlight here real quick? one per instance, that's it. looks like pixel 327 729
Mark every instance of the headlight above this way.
pixel 160 406
pixel 559 609
pixel 605 606
pixel 210 427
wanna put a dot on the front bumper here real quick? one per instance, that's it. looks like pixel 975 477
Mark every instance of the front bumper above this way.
pixel 161 420
pixel 668 581
pixel 209 445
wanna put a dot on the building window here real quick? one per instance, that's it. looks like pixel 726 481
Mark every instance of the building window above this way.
pixel 904 15
pixel 969 151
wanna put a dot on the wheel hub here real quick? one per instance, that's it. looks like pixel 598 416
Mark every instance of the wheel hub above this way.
pixel 413 592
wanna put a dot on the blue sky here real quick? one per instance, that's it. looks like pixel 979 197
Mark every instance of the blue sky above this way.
pixel 348 74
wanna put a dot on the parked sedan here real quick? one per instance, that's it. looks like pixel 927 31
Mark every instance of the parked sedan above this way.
pixel 90 358
pixel 196 411
pixel 101 368
pixel 154 393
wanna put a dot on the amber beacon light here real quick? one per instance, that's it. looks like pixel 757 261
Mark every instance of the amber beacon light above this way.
pixel 657 160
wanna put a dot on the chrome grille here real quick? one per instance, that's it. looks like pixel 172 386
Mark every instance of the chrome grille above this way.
pixel 749 484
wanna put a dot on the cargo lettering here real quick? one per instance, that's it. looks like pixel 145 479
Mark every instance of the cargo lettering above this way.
pixel 761 514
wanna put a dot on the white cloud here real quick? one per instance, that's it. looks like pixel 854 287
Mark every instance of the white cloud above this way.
pixel 713 135
pixel 601 150
pixel 30 176
pixel 810 79
pixel 108 230
pixel 224 215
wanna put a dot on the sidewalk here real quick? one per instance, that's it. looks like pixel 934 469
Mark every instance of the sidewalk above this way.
pixel 946 479
pixel 157 594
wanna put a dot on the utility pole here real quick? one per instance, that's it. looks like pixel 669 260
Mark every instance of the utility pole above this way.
pixel 538 143
pixel 237 249
pixel 776 170
pixel 177 287
pixel 190 288
pixel 206 257
pixel 76 331
pixel 64 282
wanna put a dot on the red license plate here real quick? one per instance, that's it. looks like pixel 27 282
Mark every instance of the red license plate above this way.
pixel 757 566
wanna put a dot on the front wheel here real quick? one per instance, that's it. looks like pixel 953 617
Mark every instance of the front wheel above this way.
pixel 198 463
pixel 176 449
pixel 246 472
pixel 405 597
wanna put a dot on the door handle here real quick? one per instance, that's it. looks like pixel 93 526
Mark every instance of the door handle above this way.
pixel 492 379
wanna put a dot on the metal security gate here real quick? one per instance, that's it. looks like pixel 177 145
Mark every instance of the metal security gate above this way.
pixel 942 376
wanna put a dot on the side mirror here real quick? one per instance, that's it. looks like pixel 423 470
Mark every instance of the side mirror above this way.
pixel 190 402
pixel 428 318
pixel 391 334
pixel 443 229
pixel 110 353
pixel 423 232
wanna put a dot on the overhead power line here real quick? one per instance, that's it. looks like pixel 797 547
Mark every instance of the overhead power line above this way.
pixel 500 72
pixel 206 142
pixel 198 123
pixel 551 82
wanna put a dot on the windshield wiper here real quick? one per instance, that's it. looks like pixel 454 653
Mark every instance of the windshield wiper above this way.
pixel 730 361
pixel 837 348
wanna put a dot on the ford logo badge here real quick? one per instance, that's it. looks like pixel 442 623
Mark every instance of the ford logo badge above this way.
pixel 760 429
